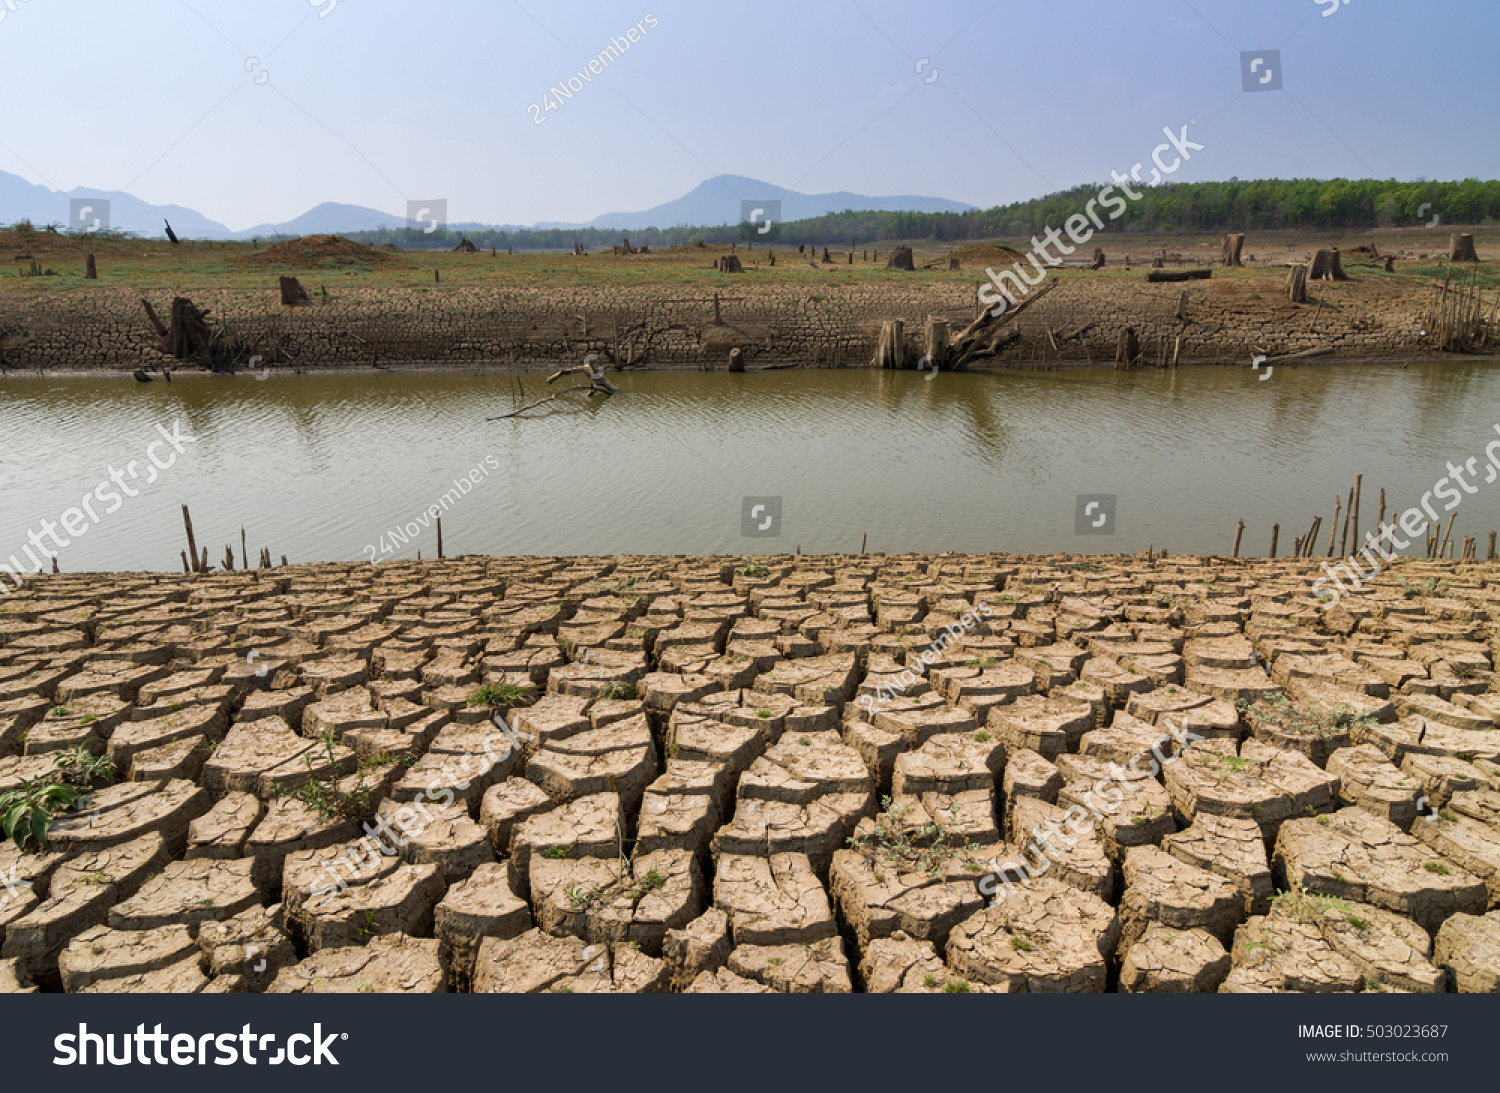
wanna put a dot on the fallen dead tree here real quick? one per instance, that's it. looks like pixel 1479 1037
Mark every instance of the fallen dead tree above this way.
pixel 186 336
pixel 598 385
pixel 982 338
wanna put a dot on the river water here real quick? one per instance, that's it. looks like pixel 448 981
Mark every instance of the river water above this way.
pixel 323 467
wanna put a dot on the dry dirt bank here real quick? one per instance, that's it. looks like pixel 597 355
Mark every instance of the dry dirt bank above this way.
pixel 793 774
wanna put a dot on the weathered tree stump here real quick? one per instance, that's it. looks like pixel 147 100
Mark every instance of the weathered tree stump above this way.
pixel 292 293
pixel 937 343
pixel 889 351
pixel 1128 352
pixel 1390 263
pixel 1461 248
pixel 901 259
pixel 91 273
pixel 1326 266
pixel 826 257
pixel 170 233
pixel 736 360
pixel 730 263
pixel 465 247
pixel 1098 262
pixel 1233 244
pixel 953 263
pixel 1296 284
pixel 578 251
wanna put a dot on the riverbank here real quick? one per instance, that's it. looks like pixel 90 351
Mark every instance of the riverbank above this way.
pixel 408 310
pixel 469 770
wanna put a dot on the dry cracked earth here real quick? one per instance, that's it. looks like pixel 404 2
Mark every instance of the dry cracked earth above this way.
pixel 718 789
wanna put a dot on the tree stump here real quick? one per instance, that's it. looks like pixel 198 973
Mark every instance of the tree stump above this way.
pixel 1461 248
pixel 736 360
pixel 1233 244
pixel 1327 267
pixel 1098 262
pixel 826 256
pixel 1129 349
pixel 901 259
pixel 1390 264
pixel 292 292
pixel 953 263
pixel 889 351
pixel 937 342
pixel 578 251
pixel 801 248
pixel 170 233
pixel 91 273
pixel 730 263
pixel 1296 284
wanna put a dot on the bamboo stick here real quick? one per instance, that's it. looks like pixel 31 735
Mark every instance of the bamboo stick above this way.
pixel 1333 528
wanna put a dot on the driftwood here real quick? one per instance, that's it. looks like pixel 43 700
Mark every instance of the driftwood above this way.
pixel 1159 276
pixel 597 385
pixel 984 337
pixel 188 337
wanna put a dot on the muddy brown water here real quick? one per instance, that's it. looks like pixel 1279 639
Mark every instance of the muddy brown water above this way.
pixel 326 467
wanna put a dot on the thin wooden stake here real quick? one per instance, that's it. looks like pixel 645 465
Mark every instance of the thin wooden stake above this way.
pixel 1239 532
pixel 1354 509
pixel 1447 534
pixel 1275 534
pixel 440 536
pixel 1348 512
pixel 192 544
pixel 1333 528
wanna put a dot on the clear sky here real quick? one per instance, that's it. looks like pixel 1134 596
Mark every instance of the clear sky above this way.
pixel 255 110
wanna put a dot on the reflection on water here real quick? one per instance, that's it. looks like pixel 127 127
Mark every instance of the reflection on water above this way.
pixel 319 467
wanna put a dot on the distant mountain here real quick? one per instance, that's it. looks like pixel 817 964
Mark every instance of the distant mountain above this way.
pixel 20 199
pixel 717 201
pixel 714 202
pixel 329 218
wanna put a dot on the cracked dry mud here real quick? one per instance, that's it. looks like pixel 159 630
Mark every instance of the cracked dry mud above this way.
pixel 714 776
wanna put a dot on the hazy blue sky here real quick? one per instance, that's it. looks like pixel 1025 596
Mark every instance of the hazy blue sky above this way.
pixel 379 101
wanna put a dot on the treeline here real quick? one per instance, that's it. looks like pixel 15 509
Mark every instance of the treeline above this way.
pixel 1186 207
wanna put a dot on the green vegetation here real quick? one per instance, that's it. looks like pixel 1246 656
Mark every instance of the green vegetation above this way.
pixel 502 694
pixel 28 812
